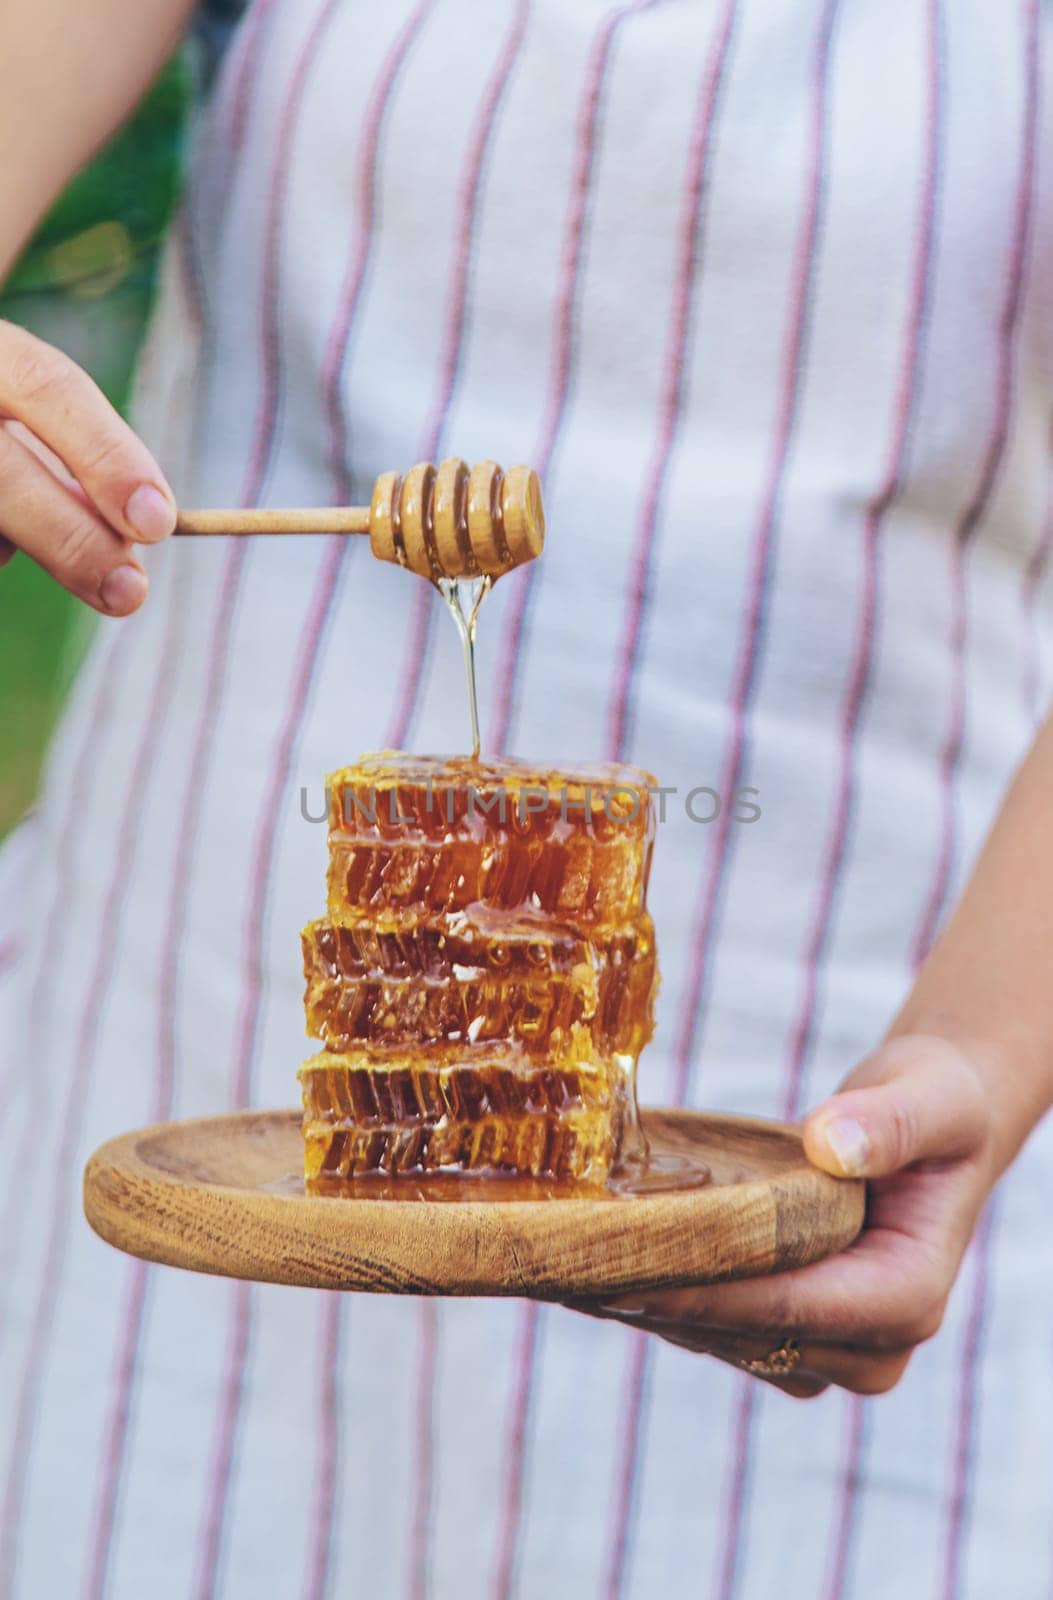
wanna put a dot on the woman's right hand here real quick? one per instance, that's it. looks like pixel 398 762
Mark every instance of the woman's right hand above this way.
pixel 78 489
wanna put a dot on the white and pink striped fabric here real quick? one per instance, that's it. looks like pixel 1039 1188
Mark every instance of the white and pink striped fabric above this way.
pixel 766 289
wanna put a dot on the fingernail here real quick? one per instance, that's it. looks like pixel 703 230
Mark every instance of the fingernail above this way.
pixel 123 590
pixel 849 1143
pixel 150 513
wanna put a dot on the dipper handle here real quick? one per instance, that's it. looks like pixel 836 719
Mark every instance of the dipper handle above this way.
pixel 326 519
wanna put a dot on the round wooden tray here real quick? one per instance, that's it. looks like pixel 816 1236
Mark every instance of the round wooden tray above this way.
pixel 221 1195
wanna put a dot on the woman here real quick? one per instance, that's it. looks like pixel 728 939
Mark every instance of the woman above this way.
pixel 763 290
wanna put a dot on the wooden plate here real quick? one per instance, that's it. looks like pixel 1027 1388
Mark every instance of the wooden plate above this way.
pixel 221 1195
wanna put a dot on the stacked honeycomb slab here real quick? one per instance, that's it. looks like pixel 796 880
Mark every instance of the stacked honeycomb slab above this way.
pixel 483 981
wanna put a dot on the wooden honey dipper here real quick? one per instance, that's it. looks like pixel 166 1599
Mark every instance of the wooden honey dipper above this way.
pixel 439 522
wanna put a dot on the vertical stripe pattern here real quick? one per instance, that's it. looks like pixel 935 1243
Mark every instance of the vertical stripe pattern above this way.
pixel 455 325
pixel 782 345
pixel 964 533
pixel 323 1514
pixel 54 925
pixel 742 692
pixel 240 1331
pixel 567 293
pixel 977 506
pixel 260 454
pixel 84 1050
pixel 672 398
pixel 851 716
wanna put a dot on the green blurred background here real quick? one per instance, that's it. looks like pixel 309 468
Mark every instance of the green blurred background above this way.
pixel 84 283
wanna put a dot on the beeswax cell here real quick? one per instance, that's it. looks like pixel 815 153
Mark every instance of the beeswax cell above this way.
pixel 402 1112
pixel 542 989
pixel 413 834
pixel 447 798
pixel 598 882
pixel 484 980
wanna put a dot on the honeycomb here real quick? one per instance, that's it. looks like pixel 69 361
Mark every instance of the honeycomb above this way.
pixel 483 981
pixel 398 1111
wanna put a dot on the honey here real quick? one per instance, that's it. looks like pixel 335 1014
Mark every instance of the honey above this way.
pixel 483 981
pixel 494 979
pixel 400 1111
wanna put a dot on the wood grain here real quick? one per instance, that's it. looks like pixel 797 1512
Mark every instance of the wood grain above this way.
pixel 297 519
pixel 195 1194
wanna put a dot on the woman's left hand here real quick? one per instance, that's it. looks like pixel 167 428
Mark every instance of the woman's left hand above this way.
pixel 915 1119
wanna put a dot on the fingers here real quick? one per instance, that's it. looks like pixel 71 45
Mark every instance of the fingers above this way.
pixel 797 1388
pixel 798 1383
pixel 66 536
pixel 802 1386
pixel 875 1295
pixel 916 1099
pixel 59 403
pixel 819 1366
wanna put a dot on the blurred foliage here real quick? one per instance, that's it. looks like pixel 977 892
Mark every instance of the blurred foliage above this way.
pixel 128 190
pixel 84 283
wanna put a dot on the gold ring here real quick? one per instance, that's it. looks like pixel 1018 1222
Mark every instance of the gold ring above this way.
pixel 779 1363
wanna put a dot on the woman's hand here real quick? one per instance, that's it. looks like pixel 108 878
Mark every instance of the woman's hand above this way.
pixel 78 490
pixel 916 1120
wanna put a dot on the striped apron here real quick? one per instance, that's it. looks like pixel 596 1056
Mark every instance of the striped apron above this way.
pixel 764 288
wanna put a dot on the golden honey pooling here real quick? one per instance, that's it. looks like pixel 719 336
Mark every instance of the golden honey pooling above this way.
pixel 483 981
